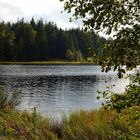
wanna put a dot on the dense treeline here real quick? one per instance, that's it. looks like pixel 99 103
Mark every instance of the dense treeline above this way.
pixel 39 41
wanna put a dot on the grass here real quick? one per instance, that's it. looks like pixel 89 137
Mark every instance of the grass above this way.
pixel 103 125
pixel 83 125
pixel 24 126
pixel 45 63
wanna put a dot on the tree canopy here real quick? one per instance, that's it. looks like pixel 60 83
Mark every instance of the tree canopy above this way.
pixel 120 17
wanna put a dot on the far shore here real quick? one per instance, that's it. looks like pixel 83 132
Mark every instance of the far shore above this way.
pixel 45 63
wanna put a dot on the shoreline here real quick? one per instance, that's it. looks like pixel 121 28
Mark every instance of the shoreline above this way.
pixel 45 63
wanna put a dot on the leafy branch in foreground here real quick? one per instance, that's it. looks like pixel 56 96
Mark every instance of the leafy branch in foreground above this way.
pixel 118 102
pixel 120 17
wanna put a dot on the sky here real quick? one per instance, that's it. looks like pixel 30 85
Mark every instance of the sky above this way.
pixel 48 10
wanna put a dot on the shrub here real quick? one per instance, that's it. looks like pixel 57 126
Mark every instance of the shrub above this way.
pixel 130 98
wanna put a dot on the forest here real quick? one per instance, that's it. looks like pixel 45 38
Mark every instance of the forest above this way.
pixel 39 41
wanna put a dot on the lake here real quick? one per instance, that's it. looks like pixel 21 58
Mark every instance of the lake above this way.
pixel 58 89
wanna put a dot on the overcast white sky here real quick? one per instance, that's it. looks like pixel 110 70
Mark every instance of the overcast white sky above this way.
pixel 49 10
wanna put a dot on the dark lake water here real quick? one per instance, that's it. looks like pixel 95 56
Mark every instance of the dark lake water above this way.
pixel 58 89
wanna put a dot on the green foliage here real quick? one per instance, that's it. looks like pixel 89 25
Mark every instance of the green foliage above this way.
pixel 74 55
pixel 70 55
pixel 39 41
pixel 107 14
pixel 130 98
pixel 78 56
pixel 7 42
pixel 120 17
pixel 123 50
pixel 92 55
